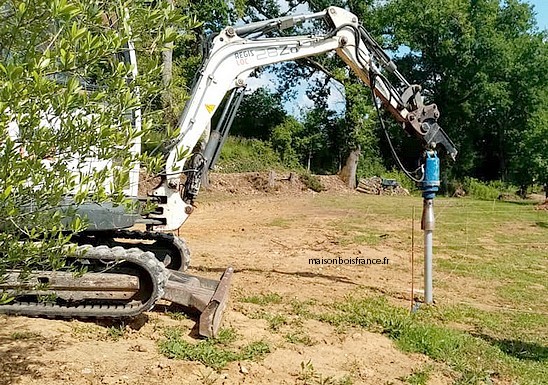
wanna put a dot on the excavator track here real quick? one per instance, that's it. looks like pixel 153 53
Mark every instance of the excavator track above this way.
pixel 141 266
pixel 168 248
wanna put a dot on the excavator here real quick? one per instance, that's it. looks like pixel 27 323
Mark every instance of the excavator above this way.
pixel 128 271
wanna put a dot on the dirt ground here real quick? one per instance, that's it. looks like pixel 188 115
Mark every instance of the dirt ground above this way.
pixel 268 239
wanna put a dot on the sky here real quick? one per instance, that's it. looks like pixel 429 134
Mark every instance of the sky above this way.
pixel 541 8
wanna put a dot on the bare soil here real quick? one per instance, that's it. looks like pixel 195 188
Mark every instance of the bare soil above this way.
pixel 268 238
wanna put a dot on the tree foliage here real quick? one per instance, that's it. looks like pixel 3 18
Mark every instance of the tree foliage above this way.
pixel 483 62
pixel 258 114
pixel 66 98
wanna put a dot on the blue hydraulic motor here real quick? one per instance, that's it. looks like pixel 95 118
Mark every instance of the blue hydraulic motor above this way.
pixel 431 179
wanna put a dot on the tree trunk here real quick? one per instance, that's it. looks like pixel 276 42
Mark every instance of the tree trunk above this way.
pixel 348 172
pixel 167 72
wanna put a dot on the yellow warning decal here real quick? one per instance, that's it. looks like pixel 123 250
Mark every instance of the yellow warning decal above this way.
pixel 210 108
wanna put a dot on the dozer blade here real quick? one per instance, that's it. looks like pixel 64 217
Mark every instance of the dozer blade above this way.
pixel 209 296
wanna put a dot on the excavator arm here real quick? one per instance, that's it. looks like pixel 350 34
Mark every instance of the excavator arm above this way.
pixel 238 50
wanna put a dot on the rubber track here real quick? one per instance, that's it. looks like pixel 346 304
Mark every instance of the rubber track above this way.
pixel 147 263
pixel 179 262
pixel 178 243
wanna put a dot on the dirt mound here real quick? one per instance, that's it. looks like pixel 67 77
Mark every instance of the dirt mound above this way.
pixel 257 183
pixel 542 206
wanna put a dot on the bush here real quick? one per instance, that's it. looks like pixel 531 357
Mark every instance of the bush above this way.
pixel 312 182
pixel 247 155
pixel 486 190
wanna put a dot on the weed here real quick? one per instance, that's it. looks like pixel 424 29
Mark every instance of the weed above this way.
pixel 307 372
pixel 116 332
pixel 419 377
pixel 301 308
pixel 255 350
pixel 263 299
pixel 81 330
pixel 226 336
pixel 275 321
pixel 309 376
pixel 176 315
pixel 24 335
pixel 299 337
pixel 208 378
pixel 208 352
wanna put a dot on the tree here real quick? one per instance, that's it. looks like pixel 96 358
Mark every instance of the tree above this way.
pixel 481 60
pixel 65 97
pixel 258 114
pixel 285 140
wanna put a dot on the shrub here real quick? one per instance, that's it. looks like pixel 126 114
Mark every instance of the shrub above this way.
pixel 247 155
pixel 486 190
pixel 312 182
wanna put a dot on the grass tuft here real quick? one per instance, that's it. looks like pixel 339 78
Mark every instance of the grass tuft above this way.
pixel 24 335
pixel 263 299
pixel 212 352
pixel 473 357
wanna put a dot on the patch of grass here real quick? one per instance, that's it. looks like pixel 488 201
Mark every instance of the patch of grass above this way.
pixel 299 338
pixel 176 315
pixel 474 357
pixel 116 332
pixel 81 330
pixel 226 336
pixel 275 321
pixel 24 335
pixel 301 308
pixel 209 352
pixel 263 299
pixel 255 350
pixel 284 223
pixel 308 375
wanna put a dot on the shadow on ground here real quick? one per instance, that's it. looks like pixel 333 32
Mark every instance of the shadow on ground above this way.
pixel 521 350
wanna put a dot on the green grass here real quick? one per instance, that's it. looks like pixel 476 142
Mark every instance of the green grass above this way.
pixel 116 332
pixel 281 222
pixel 308 375
pixel 214 353
pixel 500 248
pixel 24 335
pixel 503 245
pixel 474 356
pixel 263 299
pixel 299 337
pixel 177 315
pixel 419 377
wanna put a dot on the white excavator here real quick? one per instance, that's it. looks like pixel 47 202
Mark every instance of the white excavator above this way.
pixel 129 271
